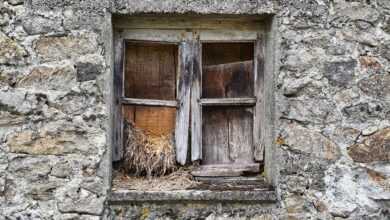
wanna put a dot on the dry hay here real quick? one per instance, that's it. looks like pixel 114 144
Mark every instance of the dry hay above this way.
pixel 145 154
pixel 178 180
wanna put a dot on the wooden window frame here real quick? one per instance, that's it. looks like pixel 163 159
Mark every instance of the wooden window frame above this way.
pixel 189 86
pixel 257 102
pixel 182 102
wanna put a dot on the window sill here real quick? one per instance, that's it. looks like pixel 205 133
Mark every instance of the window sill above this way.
pixel 261 196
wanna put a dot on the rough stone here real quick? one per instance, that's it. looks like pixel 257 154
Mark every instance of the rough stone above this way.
pixel 87 71
pixel 68 47
pixel 340 73
pixel 373 148
pixel 327 62
pixel 32 169
pixel 42 25
pixel 81 201
pixel 361 112
pixel 45 77
pixel 61 170
pixel 301 139
pixel 16 2
pixel 10 51
pixel 57 138
pixel 377 86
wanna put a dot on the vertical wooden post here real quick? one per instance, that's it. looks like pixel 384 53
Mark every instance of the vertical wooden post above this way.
pixel 196 109
pixel 117 151
pixel 183 96
pixel 258 122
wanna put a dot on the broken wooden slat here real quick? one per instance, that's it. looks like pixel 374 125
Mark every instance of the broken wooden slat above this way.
pixel 149 102
pixel 227 170
pixel 228 102
pixel 259 125
pixel 196 111
pixel 183 112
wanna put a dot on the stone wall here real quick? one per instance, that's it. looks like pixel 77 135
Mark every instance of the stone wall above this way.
pixel 331 153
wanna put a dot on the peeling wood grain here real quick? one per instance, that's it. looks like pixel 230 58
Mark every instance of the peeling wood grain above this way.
pixel 259 114
pixel 183 113
pixel 196 120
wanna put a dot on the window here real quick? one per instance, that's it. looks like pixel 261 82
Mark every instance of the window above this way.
pixel 202 87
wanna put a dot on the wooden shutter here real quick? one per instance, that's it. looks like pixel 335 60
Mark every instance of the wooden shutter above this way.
pixel 183 95
pixel 259 125
pixel 117 151
pixel 196 111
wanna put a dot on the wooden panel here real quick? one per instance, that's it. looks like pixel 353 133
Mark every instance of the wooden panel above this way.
pixel 259 116
pixel 215 136
pixel 150 71
pixel 227 135
pixel 227 70
pixel 117 151
pixel 196 120
pixel 224 53
pixel 240 135
pixel 155 121
pixel 184 95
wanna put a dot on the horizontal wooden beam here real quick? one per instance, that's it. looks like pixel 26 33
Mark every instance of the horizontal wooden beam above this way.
pixel 149 102
pixel 226 170
pixel 228 102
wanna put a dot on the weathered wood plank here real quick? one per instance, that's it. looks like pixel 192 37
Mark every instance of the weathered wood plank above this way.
pixel 240 180
pixel 227 70
pixel 228 80
pixel 228 35
pixel 148 35
pixel 183 112
pixel 196 109
pixel 154 121
pixel 240 135
pixel 223 170
pixel 150 71
pixel 215 53
pixel 215 140
pixel 259 114
pixel 228 102
pixel 149 102
pixel 117 151
pixel 175 23
pixel 227 135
